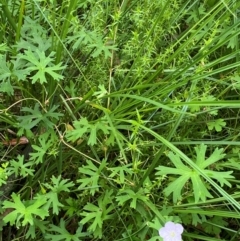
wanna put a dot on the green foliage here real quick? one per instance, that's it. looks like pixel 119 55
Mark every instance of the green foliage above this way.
pixel 45 146
pixel 83 126
pixel 213 226
pixel 217 125
pixel 41 65
pixel 126 195
pixel 55 189
pixel 199 187
pixel 92 175
pixel 120 173
pixel 24 212
pixel 3 173
pixel 61 233
pixel 37 225
pixel 130 111
pixel 97 214
pixel 21 168
pixel 5 73
pixel 36 116
pixel 85 39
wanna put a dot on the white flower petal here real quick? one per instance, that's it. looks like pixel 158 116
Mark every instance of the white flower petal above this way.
pixel 171 232
pixel 170 225
pixel 179 228
pixel 163 232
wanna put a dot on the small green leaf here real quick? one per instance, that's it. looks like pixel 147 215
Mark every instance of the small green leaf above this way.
pixel 37 116
pixel 128 194
pixel 6 87
pixel 92 175
pixel 60 233
pixel 96 215
pixel 217 125
pixel 102 92
pixel 213 225
pixel 57 187
pixel 25 212
pixel 21 167
pixel 199 185
pixel 39 65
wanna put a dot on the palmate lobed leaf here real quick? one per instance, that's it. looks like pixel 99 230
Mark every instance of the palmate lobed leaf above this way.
pixel 61 233
pixel 176 187
pixel 199 189
pixel 201 152
pixel 213 226
pixel 129 194
pixel 5 71
pixel 24 212
pixel 42 225
pixel 80 128
pixel 6 87
pixel 82 38
pixel 95 215
pixel 120 172
pixel 21 168
pixel 216 124
pixel 38 116
pixel 188 174
pixel 221 177
pixel 39 151
pixel 71 206
pixel 92 176
pixel 84 127
pixel 58 185
pixel 41 64
pixel 52 202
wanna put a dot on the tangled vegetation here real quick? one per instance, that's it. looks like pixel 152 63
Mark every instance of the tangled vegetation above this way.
pixel 117 117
